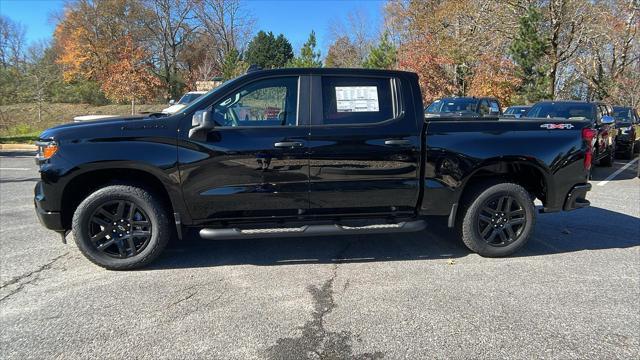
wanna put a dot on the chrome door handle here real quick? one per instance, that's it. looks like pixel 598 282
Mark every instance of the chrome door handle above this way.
pixel 397 142
pixel 287 144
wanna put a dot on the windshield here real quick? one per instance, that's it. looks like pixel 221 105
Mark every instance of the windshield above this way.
pixel 188 98
pixel 622 114
pixel 516 110
pixel 453 105
pixel 562 110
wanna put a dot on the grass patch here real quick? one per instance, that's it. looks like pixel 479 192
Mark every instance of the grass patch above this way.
pixel 20 139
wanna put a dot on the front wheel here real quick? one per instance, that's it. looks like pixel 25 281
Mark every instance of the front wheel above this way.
pixel 497 220
pixel 121 227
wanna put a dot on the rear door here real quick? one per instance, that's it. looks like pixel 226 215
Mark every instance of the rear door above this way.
pixel 254 163
pixel 363 145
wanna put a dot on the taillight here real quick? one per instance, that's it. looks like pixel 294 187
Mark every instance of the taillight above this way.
pixel 588 135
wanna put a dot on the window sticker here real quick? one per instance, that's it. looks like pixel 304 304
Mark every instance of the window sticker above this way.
pixel 357 99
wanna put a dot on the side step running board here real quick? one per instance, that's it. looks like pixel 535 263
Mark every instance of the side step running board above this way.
pixel 311 230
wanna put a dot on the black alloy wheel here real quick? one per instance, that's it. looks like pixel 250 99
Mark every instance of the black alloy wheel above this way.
pixel 501 220
pixel 496 218
pixel 120 229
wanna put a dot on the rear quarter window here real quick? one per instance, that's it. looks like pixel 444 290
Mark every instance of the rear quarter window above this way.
pixel 357 100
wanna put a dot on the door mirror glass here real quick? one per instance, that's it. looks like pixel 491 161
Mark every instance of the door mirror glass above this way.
pixel 606 120
pixel 201 122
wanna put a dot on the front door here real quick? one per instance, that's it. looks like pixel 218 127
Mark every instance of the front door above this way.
pixel 363 145
pixel 254 163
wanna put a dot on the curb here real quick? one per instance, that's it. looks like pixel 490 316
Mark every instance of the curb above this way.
pixel 24 147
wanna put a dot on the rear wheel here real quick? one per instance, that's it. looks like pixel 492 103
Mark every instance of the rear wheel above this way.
pixel 121 227
pixel 497 219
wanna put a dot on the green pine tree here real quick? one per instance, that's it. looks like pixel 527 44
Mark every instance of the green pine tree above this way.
pixel 382 56
pixel 309 57
pixel 528 50
pixel 232 65
pixel 268 51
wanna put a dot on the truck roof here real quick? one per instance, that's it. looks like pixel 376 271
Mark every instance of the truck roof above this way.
pixel 323 71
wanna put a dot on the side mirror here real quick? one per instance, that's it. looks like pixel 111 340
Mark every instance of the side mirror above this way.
pixel 607 120
pixel 171 102
pixel 201 122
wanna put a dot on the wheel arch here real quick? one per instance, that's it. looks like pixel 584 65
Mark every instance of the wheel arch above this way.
pixel 526 173
pixel 92 178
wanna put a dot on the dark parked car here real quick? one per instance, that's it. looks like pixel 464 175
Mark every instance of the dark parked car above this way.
pixel 628 124
pixel 350 152
pixel 464 106
pixel 599 116
pixel 517 111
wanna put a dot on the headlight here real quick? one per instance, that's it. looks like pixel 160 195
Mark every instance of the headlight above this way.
pixel 46 149
pixel 624 130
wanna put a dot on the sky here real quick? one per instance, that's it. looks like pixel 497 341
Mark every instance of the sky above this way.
pixel 294 19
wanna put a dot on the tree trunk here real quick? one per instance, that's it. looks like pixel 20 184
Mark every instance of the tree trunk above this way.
pixel 552 77
pixel 133 106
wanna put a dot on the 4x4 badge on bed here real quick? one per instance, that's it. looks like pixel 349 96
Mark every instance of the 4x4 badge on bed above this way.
pixel 557 126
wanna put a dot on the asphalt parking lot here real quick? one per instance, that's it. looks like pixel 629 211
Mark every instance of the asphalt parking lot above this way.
pixel 572 292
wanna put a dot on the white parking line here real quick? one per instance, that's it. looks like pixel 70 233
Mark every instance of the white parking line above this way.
pixel 605 181
pixel 19 169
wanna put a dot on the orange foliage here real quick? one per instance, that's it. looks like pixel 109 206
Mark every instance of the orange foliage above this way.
pixel 420 57
pixel 495 77
pixel 129 78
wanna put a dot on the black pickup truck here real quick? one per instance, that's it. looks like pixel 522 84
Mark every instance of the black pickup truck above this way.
pixel 305 152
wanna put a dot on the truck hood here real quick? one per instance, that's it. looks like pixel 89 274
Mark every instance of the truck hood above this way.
pixel 93 126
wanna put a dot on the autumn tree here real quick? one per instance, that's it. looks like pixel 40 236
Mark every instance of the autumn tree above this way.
pixel 422 58
pixel 12 60
pixel 228 24
pixel 497 78
pixel 567 20
pixel 342 53
pixel 12 42
pixel 611 49
pixel 309 56
pixel 268 51
pixel 90 33
pixel 384 55
pixel 129 77
pixel 354 31
pixel 170 27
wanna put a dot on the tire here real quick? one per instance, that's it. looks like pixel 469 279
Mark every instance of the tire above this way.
pixel 512 228
pixel 115 219
pixel 607 161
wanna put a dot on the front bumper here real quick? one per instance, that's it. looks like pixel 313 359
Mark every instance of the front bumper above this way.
pixel 576 198
pixel 50 219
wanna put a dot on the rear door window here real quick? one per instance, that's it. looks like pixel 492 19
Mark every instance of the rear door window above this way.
pixel 358 100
